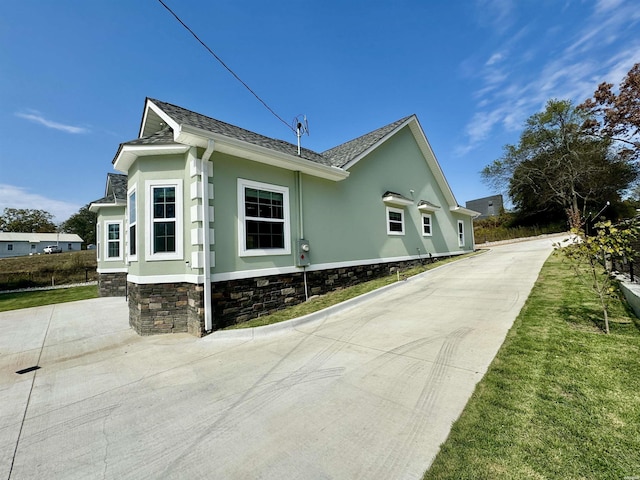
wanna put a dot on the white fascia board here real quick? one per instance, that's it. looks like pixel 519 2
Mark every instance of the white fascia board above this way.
pixel 377 144
pixel 432 161
pixel 129 153
pixel 464 211
pixel 427 153
pixel 199 137
pixel 428 208
pixel 150 106
pixel 94 207
pixel 397 200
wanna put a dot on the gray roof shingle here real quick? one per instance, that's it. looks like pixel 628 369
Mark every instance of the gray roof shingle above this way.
pixel 337 156
pixel 116 190
pixel 343 154
pixel 187 117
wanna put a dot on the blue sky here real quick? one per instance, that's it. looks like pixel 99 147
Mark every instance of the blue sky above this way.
pixel 74 75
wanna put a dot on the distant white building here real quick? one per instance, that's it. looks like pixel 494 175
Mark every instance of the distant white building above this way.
pixel 14 244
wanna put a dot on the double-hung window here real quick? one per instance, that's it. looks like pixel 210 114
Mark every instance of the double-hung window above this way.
pixel 133 224
pixel 263 219
pixel 113 240
pixel 395 221
pixel 164 214
pixel 460 233
pixel 426 225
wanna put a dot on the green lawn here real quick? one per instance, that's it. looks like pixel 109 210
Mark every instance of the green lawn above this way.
pixel 14 301
pixel 561 399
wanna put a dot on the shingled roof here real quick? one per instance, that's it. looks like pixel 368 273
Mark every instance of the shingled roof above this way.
pixel 187 117
pixel 348 151
pixel 337 157
pixel 115 191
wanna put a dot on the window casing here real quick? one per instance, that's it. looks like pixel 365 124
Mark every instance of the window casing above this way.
pixel 98 242
pixel 132 223
pixel 427 225
pixel 263 219
pixel 10 246
pixel 113 241
pixel 460 233
pixel 395 221
pixel 164 220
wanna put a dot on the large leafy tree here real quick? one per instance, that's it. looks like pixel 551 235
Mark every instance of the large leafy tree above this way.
pixel 83 224
pixel 617 115
pixel 26 220
pixel 559 169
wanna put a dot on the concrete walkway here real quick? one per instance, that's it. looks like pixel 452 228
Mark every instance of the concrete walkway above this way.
pixel 366 393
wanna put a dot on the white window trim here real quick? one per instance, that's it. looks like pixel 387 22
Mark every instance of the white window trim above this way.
pixel 98 241
pixel 460 233
pixel 132 258
pixel 253 252
pixel 148 210
pixel 106 243
pixel 394 210
pixel 430 217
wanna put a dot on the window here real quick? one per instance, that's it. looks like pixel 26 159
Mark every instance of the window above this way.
pixel 10 246
pixel 113 240
pixel 69 246
pixel 426 225
pixel 164 211
pixel 133 222
pixel 395 221
pixel 263 213
pixel 460 233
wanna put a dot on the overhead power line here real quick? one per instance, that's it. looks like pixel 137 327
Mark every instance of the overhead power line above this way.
pixel 226 66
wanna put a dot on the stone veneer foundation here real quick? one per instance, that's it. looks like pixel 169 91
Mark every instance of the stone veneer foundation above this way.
pixel 166 308
pixel 179 307
pixel 112 284
pixel 237 301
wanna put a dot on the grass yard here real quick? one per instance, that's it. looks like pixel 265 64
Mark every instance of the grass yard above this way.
pixel 44 270
pixel 15 301
pixel 561 399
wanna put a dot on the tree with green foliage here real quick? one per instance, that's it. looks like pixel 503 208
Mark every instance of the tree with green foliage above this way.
pixel 83 224
pixel 26 221
pixel 558 168
pixel 590 255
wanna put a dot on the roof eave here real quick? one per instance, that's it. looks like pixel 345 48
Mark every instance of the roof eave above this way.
pixel 127 154
pixel 465 211
pixel 199 137
pixel 95 206
pixel 366 152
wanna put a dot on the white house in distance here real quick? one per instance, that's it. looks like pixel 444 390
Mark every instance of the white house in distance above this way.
pixel 210 224
pixel 13 244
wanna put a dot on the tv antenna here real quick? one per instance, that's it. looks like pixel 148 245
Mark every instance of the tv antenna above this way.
pixel 300 126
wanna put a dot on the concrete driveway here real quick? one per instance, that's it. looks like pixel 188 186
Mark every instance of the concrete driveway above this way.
pixel 369 392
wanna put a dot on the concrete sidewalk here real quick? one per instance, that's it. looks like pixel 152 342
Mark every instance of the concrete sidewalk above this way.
pixel 370 392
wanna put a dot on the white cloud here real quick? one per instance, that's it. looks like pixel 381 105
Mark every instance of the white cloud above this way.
pixel 495 58
pixel 600 50
pixel 36 117
pixel 19 197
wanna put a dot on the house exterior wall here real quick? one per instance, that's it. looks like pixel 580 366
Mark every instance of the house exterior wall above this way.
pixel 346 223
pixel 106 264
pixel 16 249
pixel 22 248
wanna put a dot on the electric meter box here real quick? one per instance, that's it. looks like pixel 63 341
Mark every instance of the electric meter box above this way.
pixel 303 253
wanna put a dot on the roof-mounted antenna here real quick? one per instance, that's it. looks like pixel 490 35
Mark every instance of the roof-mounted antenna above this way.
pixel 300 126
